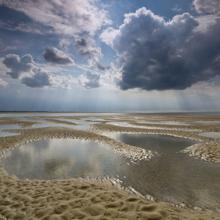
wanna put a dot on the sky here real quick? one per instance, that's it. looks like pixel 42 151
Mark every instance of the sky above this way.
pixel 110 55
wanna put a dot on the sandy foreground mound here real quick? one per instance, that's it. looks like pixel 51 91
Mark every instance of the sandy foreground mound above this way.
pixel 81 199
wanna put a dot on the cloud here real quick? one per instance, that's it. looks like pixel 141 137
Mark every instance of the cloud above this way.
pixel 37 75
pixel 207 6
pixel 74 22
pixel 3 83
pixel 25 70
pixel 53 55
pixel 86 47
pixel 17 21
pixel 17 65
pixel 208 13
pixel 155 54
pixel 101 67
pixel 38 80
pixel 90 80
pixel 93 81
pixel 65 81
pixel 63 16
pixel 68 81
pixel 108 35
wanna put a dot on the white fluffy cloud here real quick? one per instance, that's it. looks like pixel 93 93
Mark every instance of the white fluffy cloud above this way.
pixel 108 35
pixel 65 17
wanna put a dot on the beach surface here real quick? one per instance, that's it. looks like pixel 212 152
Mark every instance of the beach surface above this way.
pixel 78 198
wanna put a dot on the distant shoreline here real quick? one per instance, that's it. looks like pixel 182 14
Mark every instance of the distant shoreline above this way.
pixel 177 112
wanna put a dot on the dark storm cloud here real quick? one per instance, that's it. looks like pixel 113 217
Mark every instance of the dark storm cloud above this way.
pixel 38 80
pixel 159 55
pixel 53 55
pixel 17 65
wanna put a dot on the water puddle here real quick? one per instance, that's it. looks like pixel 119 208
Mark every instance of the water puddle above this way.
pixel 214 135
pixel 7 134
pixel 4 127
pixel 9 126
pixel 94 119
pixel 80 124
pixel 207 122
pixel 126 124
pixel 165 122
pixel 60 158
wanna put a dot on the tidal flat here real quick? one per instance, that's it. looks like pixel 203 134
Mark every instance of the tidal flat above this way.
pixel 109 166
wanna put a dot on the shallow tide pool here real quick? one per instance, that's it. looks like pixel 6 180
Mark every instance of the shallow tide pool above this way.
pixel 173 176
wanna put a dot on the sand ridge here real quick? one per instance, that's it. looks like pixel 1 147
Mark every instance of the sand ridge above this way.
pixel 29 135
